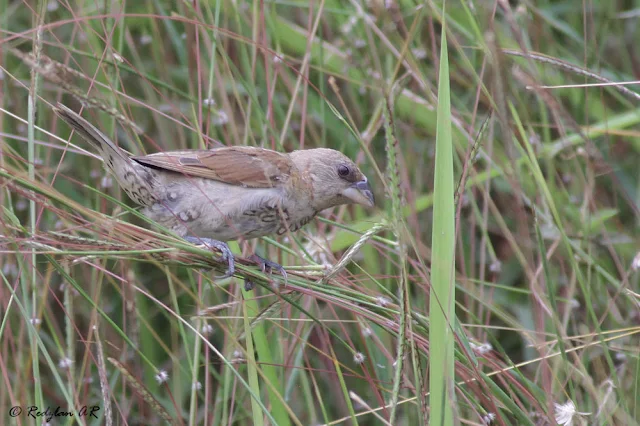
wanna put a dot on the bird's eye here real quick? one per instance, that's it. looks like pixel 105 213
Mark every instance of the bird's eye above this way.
pixel 343 171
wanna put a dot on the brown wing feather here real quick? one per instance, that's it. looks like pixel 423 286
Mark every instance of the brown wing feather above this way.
pixel 239 165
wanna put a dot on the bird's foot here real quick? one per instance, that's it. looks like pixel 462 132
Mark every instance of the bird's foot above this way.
pixel 268 267
pixel 224 250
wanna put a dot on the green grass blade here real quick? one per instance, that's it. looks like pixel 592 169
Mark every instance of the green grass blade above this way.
pixel 441 337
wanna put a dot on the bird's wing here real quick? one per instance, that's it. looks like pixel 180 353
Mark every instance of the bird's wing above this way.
pixel 240 165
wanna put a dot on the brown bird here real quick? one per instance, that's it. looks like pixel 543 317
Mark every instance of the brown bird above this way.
pixel 212 196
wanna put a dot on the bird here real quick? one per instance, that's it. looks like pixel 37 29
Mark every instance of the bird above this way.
pixel 212 196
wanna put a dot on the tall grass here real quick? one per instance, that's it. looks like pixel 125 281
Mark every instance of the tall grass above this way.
pixel 443 289
pixel 537 322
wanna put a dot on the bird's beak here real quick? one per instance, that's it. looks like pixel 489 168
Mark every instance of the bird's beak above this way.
pixel 360 193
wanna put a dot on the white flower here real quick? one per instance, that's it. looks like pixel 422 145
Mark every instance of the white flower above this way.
pixel 564 413
pixel 162 377
pixel 488 418
pixel 318 249
pixel 208 102
pixel 374 74
pixel 220 118
pixel 419 53
pixel 635 264
pixel 347 27
pixel 495 266
pixel 464 200
pixel 10 269
pixel 21 205
pixel 65 363
pixel 207 329
pixel 359 43
pixel 534 141
pixel 146 39
pixel 619 356
pixel 367 331
pixel 482 348
pixel 106 182
pixel 165 108
pixel 358 357
pixel 382 301
pixel 196 386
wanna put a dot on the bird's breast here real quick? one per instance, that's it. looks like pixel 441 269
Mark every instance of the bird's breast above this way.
pixel 279 219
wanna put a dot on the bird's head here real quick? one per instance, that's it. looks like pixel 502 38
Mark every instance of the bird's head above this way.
pixel 335 178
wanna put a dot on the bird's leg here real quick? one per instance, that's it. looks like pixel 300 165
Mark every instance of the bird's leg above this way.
pixel 224 249
pixel 267 266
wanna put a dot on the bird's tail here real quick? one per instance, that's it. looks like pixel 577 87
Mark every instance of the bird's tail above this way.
pixel 137 181
pixel 106 148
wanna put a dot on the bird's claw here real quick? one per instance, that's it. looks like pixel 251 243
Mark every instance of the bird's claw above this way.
pixel 225 252
pixel 268 267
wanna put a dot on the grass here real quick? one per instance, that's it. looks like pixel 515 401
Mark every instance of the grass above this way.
pixel 539 195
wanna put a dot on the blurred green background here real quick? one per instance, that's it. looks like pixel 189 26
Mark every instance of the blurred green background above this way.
pixel 101 308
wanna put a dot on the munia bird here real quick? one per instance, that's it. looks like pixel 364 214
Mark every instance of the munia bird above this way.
pixel 223 194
